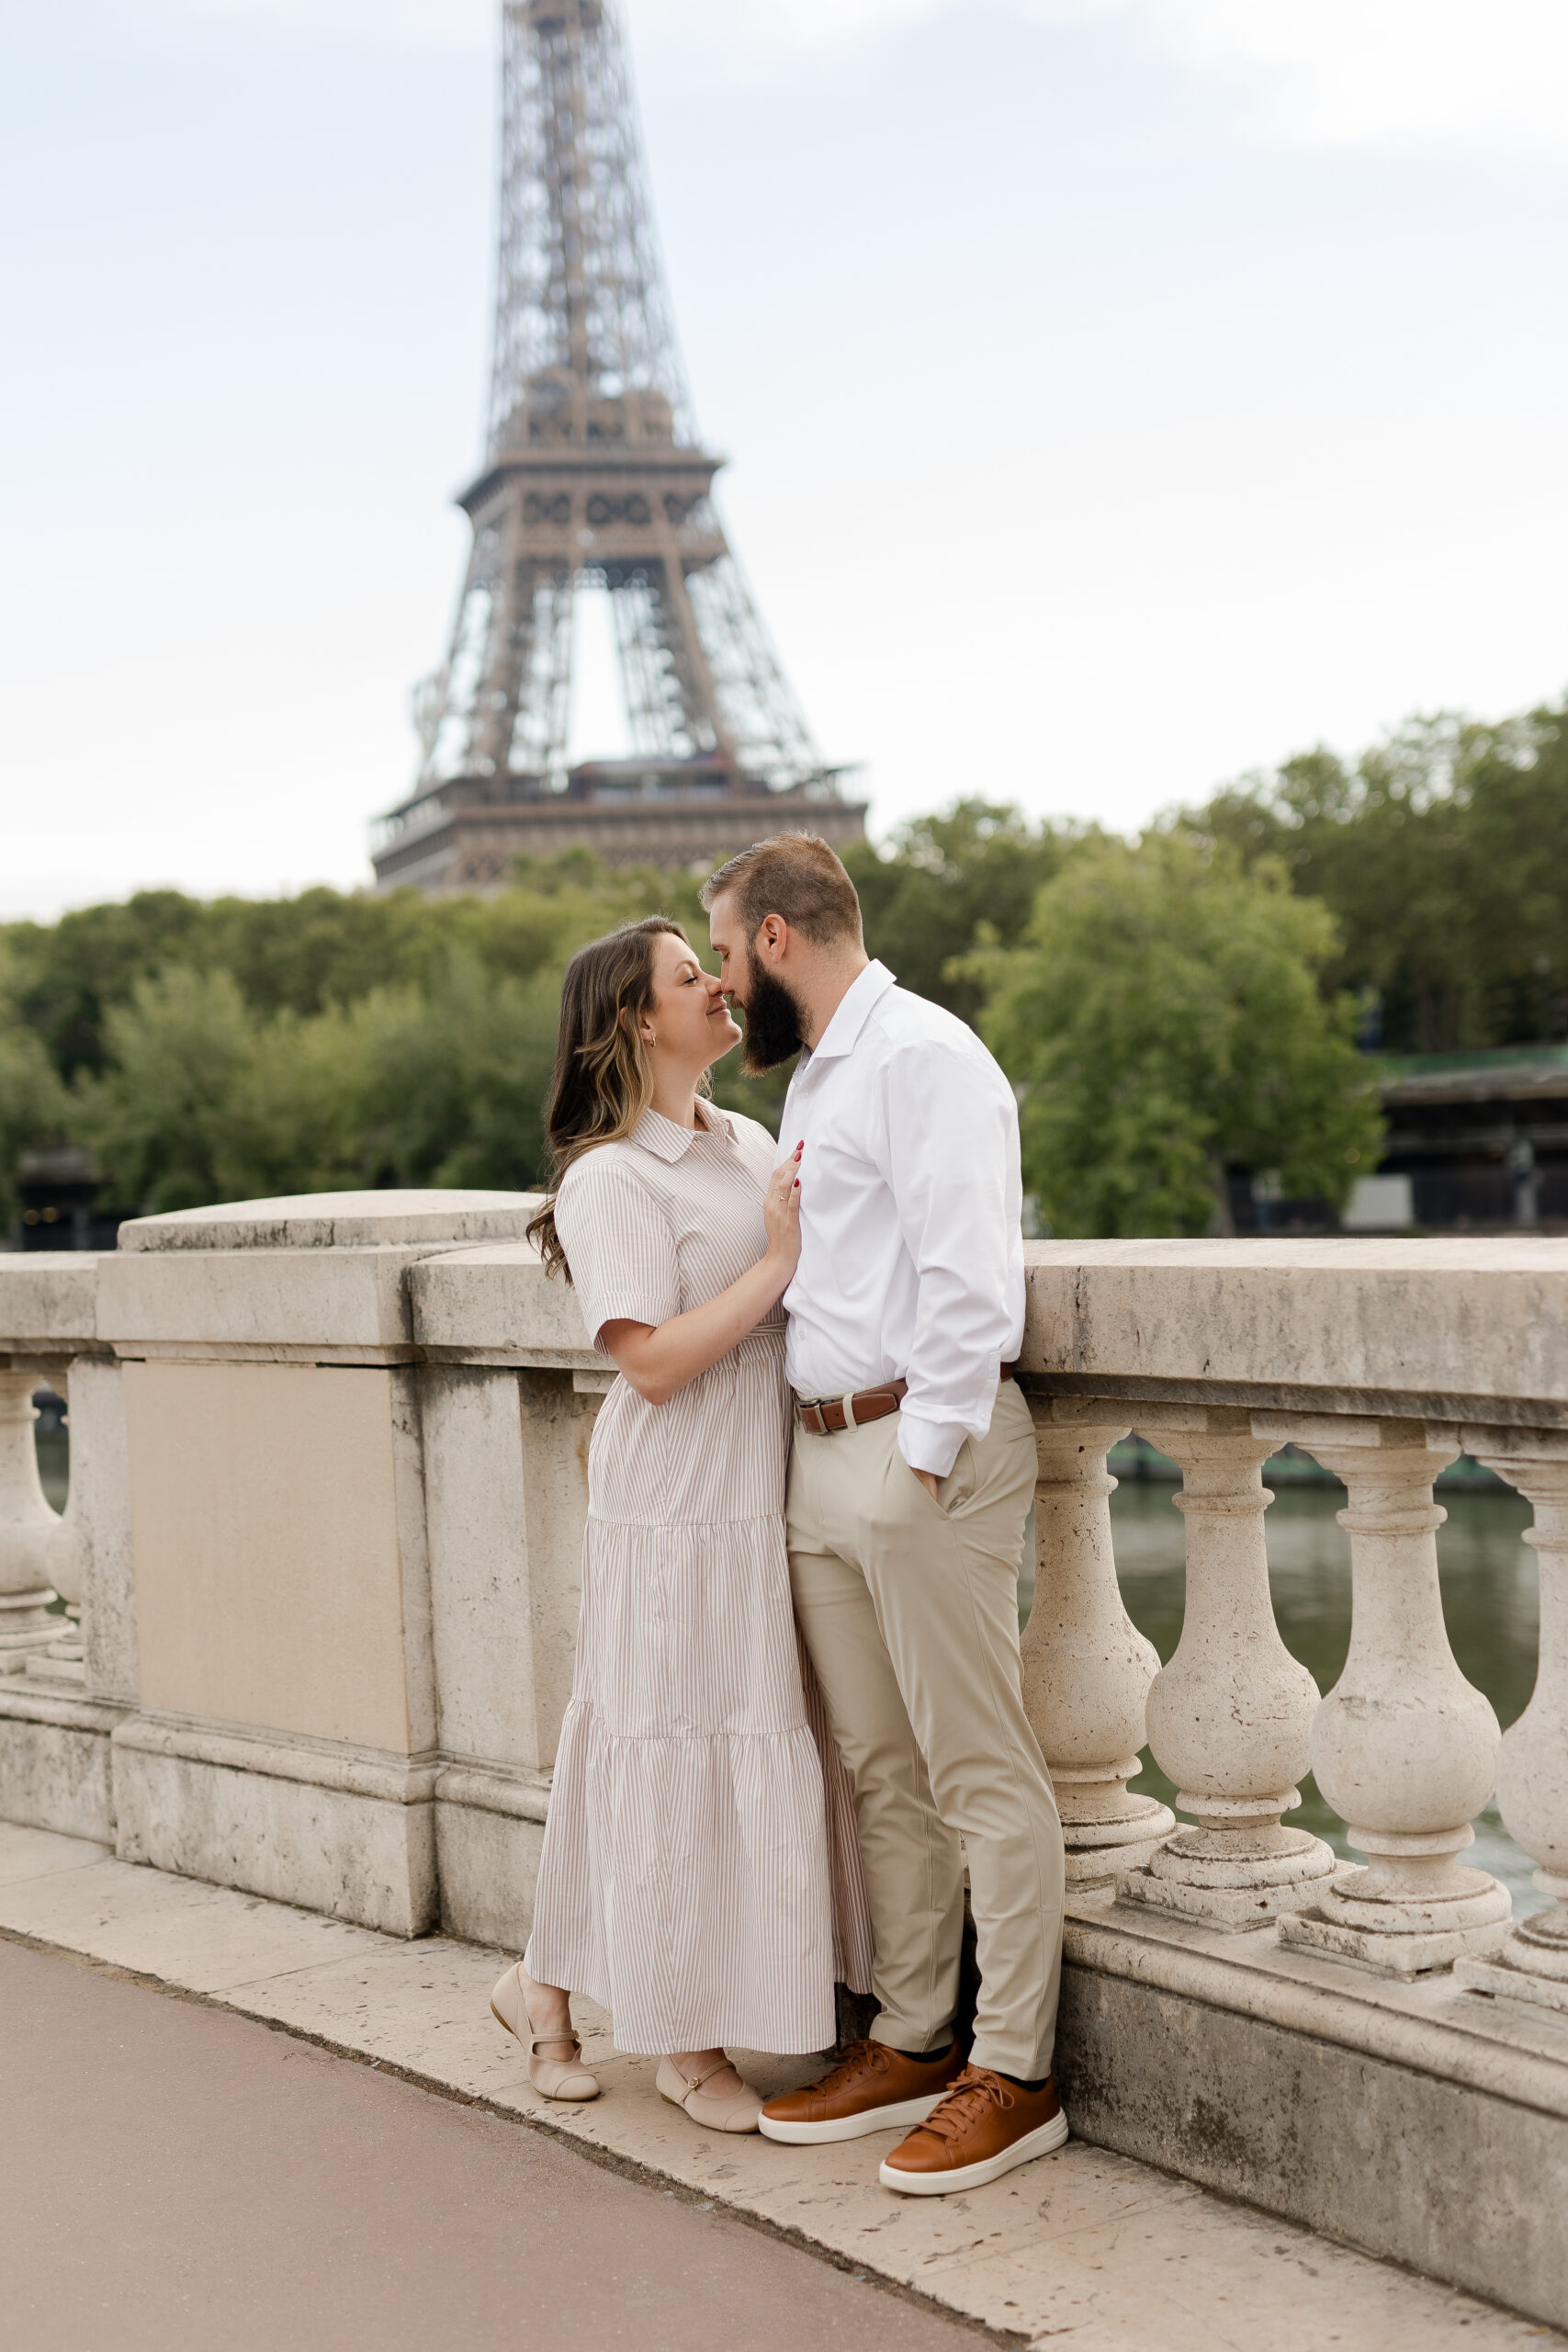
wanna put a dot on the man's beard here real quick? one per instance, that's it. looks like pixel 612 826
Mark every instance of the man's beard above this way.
pixel 773 1021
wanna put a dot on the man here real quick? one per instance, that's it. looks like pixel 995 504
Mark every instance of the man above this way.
pixel 910 1479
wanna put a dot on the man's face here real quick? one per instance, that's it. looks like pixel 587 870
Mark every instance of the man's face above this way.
pixel 729 944
pixel 774 1024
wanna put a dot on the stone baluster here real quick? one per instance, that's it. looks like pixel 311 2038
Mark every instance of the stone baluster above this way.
pixel 29 1531
pixel 1533 1772
pixel 65 1658
pixel 1230 1718
pixel 1405 1748
pixel 1087 1670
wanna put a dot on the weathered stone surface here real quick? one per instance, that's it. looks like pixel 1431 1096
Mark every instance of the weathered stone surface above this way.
pixel 1087 2244
pixel 487 1864
pixel 349 1851
pixel 200 1938
pixel 1412 2121
pixel 48 1300
pixel 1461 2186
pixel 328 1709
pixel 1421 1320
pixel 325 1272
pixel 506 1457
pixel 1087 1670
pixel 337 1221
pixel 339 1305
pixel 474 1305
pixel 34 1853
pixel 54 1761
pixel 99 1508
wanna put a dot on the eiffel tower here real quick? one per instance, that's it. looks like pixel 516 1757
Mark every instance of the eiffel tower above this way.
pixel 594 475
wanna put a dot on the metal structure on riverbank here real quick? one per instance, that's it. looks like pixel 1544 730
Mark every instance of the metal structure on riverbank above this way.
pixel 594 475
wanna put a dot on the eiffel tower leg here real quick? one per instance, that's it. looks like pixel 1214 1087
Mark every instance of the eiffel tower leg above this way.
pixel 749 685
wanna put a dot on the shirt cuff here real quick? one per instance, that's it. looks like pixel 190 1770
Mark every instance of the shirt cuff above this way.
pixel 930 1445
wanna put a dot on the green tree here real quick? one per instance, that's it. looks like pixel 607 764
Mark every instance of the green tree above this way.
pixel 453 1080
pixel 159 1115
pixel 292 1118
pixel 35 1108
pixel 928 896
pixel 1443 856
pixel 67 975
pixel 321 948
pixel 1163 1020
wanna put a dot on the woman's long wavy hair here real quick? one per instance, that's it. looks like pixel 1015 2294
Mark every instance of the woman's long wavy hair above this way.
pixel 603 1081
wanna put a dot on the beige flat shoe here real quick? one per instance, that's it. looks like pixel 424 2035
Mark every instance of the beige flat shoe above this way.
pixel 732 2111
pixel 552 2077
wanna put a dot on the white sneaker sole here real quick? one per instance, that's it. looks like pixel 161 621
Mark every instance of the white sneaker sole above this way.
pixel 942 2184
pixel 902 2116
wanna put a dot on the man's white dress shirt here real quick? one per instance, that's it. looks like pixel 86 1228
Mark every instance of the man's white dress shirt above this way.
pixel 911 1248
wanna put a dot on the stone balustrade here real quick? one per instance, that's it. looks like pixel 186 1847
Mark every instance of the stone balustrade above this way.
pixel 328 1486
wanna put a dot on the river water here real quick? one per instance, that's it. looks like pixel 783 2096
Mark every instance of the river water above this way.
pixel 1490 1603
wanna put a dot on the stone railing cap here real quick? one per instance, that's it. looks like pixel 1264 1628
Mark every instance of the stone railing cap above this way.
pixel 338 1221
pixel 1488 1253
pixel 47 1296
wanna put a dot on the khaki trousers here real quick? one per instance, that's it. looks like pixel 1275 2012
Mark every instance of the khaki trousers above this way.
pixel 910 1609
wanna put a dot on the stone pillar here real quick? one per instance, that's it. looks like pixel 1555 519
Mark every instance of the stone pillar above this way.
pixel 1404 1748
pixel 1230 1718
pixel 1087 1670
pixel 1532 1773
pixel 506 1489
pixel 99 1514
pixel 28 1532
pixel 62 1662
pixel 284 1737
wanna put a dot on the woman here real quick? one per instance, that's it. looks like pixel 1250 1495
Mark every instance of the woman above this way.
pixel 684 1882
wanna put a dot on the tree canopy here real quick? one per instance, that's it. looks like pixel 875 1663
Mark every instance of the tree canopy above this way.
pixel 1163 1020
pixel 925 898
pixel 1166 1009
pixel 1443 855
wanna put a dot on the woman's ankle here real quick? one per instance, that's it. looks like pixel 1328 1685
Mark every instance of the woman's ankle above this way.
pixel 691 2063
pixel 551 2004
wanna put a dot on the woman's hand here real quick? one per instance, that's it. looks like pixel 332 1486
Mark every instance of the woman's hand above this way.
pixel 780 1213
pixel 658 1359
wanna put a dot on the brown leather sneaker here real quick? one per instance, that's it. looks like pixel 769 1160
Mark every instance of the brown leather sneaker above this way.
pixel 984 2127
pixel 872 2088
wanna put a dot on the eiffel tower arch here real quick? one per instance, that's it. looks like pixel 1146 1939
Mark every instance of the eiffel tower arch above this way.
pixel 594 475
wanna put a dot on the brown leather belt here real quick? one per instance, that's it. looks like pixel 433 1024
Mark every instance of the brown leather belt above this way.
pixel 826 1416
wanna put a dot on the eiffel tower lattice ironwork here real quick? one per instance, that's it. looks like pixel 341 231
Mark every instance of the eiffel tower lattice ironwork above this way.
pixel 594 475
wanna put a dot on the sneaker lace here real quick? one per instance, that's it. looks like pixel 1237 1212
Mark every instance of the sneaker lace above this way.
pixel 857 2058
pixel 975 2089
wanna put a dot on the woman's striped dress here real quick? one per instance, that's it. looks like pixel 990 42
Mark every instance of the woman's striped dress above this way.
pixel 700 1877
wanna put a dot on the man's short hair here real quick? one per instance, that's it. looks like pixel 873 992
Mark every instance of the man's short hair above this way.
pixel 793 875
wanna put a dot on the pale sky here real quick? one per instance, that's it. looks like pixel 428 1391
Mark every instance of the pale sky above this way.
pixel 1119 393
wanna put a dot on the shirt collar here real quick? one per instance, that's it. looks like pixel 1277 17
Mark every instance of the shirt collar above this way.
pixel 853 1012
pixel 654 1133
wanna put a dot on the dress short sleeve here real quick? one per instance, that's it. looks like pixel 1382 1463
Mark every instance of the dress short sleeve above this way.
pixel 619 1244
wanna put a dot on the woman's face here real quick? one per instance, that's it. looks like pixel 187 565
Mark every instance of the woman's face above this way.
pixel 689 1024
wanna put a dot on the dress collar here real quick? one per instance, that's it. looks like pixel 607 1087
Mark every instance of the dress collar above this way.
pixel 853 1012
pixel 669 1142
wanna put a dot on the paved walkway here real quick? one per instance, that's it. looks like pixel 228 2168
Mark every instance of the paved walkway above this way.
pixel 176 2177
